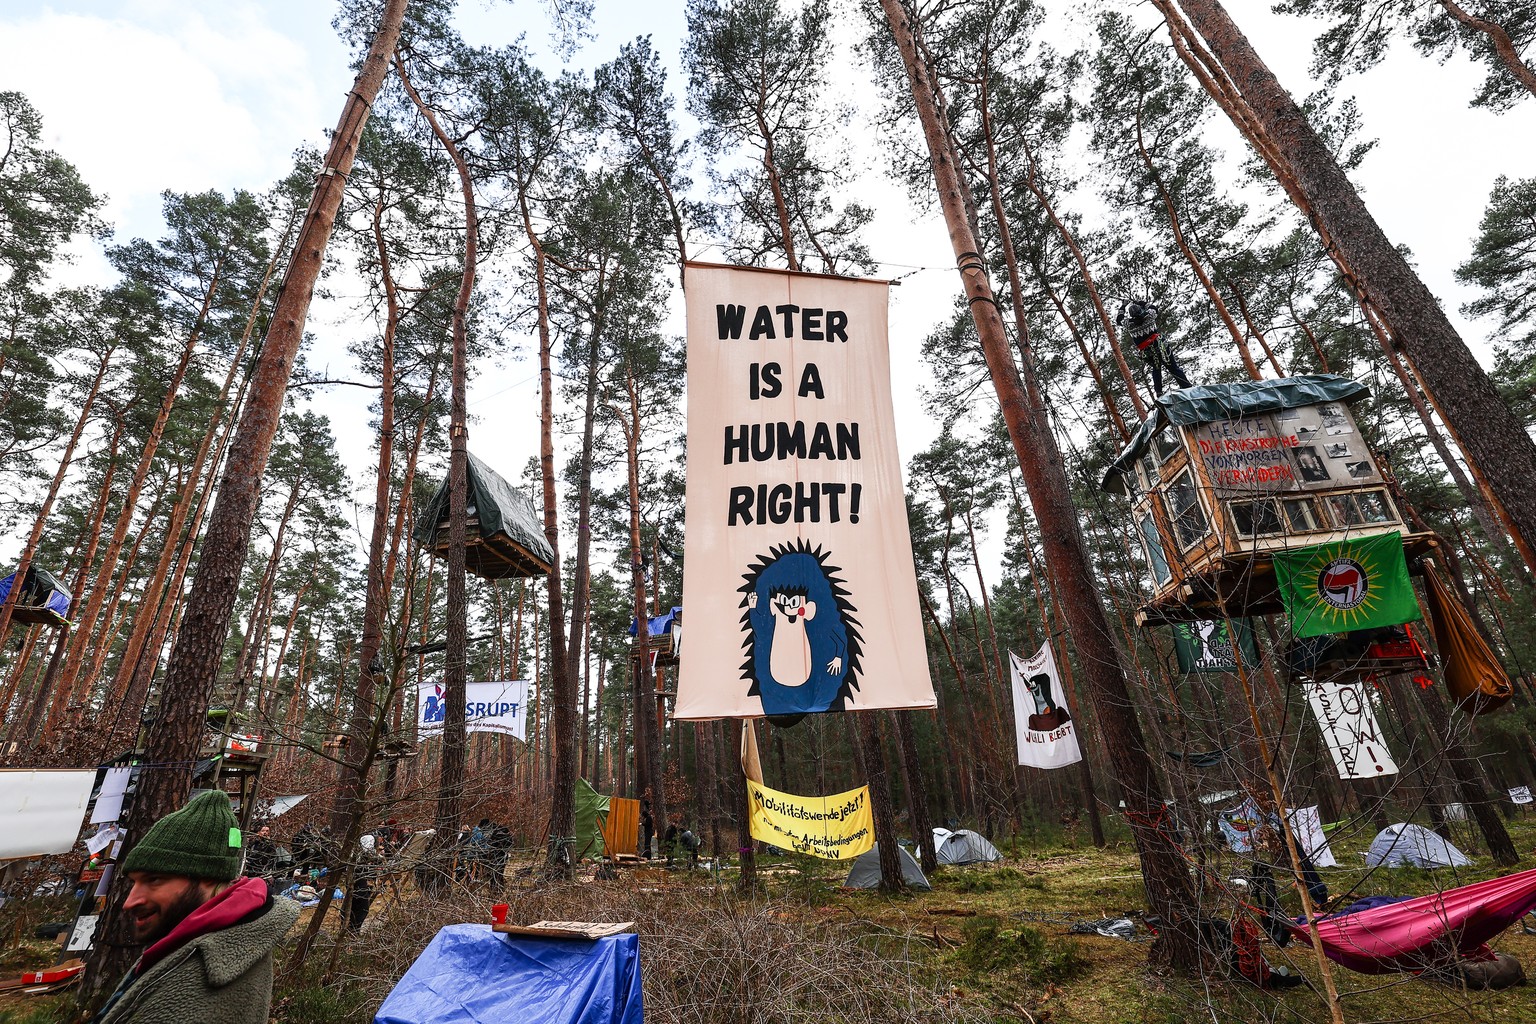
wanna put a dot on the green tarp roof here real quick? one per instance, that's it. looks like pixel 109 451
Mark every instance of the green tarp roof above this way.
pixel 1210 402
pixel 499 507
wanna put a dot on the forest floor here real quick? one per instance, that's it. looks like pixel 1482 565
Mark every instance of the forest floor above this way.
pixel 990 943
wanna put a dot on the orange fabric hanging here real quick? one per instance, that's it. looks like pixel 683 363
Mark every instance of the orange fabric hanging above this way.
pixel 1474 676
pixel 621 828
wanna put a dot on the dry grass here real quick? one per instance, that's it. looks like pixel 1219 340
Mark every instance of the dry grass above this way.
pixel 989 944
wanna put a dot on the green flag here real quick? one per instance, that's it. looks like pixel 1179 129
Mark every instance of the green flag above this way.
pixel 1348 585
pixel 1207 647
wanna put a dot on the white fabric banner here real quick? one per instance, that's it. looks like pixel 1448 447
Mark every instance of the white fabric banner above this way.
pixel 1349 727
pixel 1520 794
pixel 1046 736
pixel 41 811
pixel 488 707
pixel 1307 827
pixel 797 562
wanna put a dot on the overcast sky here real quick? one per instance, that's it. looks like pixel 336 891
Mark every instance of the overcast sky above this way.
pixel 149 95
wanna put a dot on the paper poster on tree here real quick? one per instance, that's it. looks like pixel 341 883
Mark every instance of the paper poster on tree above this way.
pixel 797 565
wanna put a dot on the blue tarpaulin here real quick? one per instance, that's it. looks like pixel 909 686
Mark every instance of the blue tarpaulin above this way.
pixel 469 974
pixel 41 595
pixel 657 625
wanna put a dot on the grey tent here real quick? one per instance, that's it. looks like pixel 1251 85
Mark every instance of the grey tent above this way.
pixel 505 537
pixel 865 873
pixel 962 847
pixel 1409 845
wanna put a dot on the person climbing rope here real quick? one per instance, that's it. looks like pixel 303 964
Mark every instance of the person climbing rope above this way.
pixel 1139 320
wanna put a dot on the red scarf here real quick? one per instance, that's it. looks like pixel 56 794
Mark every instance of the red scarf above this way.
pixel 228 908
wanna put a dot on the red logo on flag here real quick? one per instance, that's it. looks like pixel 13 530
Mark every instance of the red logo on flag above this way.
pixel 1342 584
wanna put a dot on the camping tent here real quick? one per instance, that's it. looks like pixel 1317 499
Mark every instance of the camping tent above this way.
pixel 865 873
pixel 1409 845
pixel 962 847
pixel 469 973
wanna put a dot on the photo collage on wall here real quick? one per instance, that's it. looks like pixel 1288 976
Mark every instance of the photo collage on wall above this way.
pixel 1329 452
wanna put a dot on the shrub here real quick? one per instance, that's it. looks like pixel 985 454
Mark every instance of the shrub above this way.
pixel 1024 953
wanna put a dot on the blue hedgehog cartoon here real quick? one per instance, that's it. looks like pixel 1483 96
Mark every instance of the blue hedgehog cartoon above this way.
pixel 803 645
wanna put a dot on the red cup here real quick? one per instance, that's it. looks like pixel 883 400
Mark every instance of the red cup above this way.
pixel 499 913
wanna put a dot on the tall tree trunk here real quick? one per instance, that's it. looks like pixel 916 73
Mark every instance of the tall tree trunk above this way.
pixel 1163 869
pixel 879 782
pixel 648 706
pixel 450 794
pixel 29 549
pixel 176 733
pixel 351 784
pixel 562 809
pixel 1381 276
pixel 581 584
pixel 917 789
pixel 43 696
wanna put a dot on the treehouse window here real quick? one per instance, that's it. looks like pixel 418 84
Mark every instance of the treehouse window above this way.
pixel 1256 518
pixel 1165 446
pixel 1149 475
pixel 1301 514
pixel 1184 511
pixel 1153 545
pixel 1365 508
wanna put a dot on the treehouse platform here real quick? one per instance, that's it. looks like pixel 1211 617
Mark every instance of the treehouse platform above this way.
pixel 42 600
pixel 504 537
pixel 664 636
pixel 1224 476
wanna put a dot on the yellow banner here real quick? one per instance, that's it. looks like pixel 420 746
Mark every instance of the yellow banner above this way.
pixel 837 827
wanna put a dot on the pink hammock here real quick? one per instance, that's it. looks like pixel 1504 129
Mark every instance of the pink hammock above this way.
pixel 1428 931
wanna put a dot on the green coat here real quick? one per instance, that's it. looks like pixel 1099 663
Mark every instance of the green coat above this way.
pixel 224 976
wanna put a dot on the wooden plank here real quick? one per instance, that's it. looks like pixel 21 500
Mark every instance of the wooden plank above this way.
pixel 566 929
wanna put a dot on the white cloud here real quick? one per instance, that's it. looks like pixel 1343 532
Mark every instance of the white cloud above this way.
pixel 168 100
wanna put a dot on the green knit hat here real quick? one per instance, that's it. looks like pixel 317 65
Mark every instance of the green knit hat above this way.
pixel 202 840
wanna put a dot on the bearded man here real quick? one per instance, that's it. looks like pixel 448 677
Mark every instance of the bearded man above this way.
pixel 208 932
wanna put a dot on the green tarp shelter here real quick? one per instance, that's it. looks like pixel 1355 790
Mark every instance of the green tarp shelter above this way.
pixel 505 537
pixel 591 806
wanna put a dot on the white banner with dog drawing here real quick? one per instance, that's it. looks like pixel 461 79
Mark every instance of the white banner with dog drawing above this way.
pixel 1047 736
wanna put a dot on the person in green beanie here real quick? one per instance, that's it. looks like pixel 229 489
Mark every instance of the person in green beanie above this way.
pixel 208 932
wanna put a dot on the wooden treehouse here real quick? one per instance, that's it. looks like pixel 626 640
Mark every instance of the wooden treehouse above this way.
pixel 664 635
pixel 504 537
pixel 42 600
pixel 1224 476
pixel 231 759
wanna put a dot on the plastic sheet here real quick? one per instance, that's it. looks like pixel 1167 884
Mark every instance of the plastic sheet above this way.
pixel 469 974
